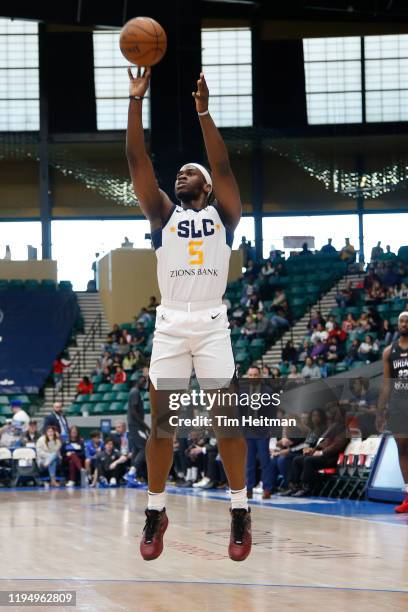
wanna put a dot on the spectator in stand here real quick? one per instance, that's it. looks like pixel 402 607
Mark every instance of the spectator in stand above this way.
pixel 305 250
pixel 93 446
pixel 266 371
pixel 293 373
pixel 348 253
pixel 323 367
pixel 121 441
pixel 387 333
pixel 333 352
pixel 129 362
pixel 390 277
pixel 370 279
pixel 85 386
pixel 110 465
pixel 246 251
pixel 145 317
pixel 388 253
pixel 58 367
pixel 263 330
pixel 318 350
pixel 310 370
pixel 330 323
pixel 364 403
pixel 376 293
pixel 115 334
pixel 304 351
pixel 31 435
pixel 280 319
pixel 139 336
pixel 127 336
pixel 279 298
pixel 289 353
pixel 349 324
pixel 57 420
pixel 328 249
pixel 251 269
pixel 352 354
pixel 73 456
pixel 249 328
pixel 363 324
pixel 106 361
pixel 268 269
pixel 338 333
pixel 315 318
pixel 123 347
pixel 276 373
pixel 346 297
pixel 306 466
pixel 255 302
pixel 120 376
pixel 319 333
pixel 48 449
pixel 19 415
pixel 106 376
pixel 152 305
pixel 368 349
pixel 376 252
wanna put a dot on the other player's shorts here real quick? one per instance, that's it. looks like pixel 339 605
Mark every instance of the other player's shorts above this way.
pixel 187 335
pixel 397 417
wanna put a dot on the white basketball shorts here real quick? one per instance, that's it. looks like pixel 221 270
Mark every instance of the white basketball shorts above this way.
pixel 187 335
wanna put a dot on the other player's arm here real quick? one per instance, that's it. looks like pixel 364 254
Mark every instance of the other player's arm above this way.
pixel 154 203
pixel 385 390
pixel 225 186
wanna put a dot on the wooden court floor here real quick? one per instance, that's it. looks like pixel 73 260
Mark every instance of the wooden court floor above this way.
pixel 87 541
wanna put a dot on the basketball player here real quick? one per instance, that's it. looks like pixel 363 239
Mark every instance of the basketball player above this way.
pixel 193 241
pixel 395 393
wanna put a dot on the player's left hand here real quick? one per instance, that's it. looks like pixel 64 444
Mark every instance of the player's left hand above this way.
pixel 201 95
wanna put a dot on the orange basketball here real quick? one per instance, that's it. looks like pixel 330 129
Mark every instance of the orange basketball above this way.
pixel 143 41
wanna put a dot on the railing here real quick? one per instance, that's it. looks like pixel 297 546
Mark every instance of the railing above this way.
pixel 78 363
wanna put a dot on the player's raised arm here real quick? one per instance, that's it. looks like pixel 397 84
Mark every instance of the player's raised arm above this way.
pixel 154 203
pixel 385 390
pixel 225 186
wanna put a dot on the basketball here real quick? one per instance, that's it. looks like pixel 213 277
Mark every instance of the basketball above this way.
pixel 143 41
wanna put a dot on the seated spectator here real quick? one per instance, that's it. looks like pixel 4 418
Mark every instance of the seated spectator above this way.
pixel 120 376
pixel 263 330
pixel 348 253
pixel 127 336
pixel 388 333
pixel 31 435
pixel 85 386
pixel 364 404
pixel 368 349
pixel 370 279
pixel 48 449
pixel 346 297
pixel 280 319
pixel 255 302
pixel 305 467
pixel 328 249
pixel 152 305
pixel 73 456
pixel 11 434
pixel 323 367
pixel 293 373
pixel 106 376
pixel 352 353
pixel 145 318
pixel 333 351
pixel 60 364
pixel 363 324
pixel 123 347
pixel 19 415
pixel 311 370
pixel 139 336
pixel 116 333
pixel 304 351
pixel 289 353
pixel 129 361
pixel 276 373
pixel 376 252
pixel 403 293
pixel 266 371
pixel 349 323
pixel 319 334
pixel 110 464
pixel 305 250
pixel 318 350
pixel 93 446
pixel 268 269
pixel 376 293
pixel 249 327
pixel 315 318
pixel 338 333
pixel 330 323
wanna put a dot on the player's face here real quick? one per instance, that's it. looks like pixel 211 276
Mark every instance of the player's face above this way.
pixel 403 326
pixel 190 183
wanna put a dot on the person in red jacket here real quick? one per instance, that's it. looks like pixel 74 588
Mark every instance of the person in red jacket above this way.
pixel 85 387
pixel 120 376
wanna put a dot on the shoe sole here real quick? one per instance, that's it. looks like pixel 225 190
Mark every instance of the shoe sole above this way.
pixel 152 558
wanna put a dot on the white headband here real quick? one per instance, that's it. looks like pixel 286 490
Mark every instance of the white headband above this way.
pixel 403 314
pixel 203 171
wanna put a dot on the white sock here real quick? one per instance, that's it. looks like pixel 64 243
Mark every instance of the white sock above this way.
pixel 189 473
pixel 156 501
pixel 194 472
pixel 132 471
pixel 239 499
pixel 405 487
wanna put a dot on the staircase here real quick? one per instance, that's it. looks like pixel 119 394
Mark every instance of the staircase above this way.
pixel 82 361
pixel 274 355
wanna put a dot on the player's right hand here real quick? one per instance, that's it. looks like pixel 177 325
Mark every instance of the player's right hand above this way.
pixel 139 84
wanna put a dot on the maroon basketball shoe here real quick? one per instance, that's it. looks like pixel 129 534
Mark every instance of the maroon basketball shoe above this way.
pixel 241 537
pixel 151 544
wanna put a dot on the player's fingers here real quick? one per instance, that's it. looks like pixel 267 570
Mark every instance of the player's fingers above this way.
pixel 148 72
pixel 139 72
pixel 130 73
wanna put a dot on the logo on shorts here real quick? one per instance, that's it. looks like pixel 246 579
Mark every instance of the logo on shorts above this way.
pixel 215 316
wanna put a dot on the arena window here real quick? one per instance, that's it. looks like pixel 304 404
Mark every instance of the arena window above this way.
pixel 19 76
pixel 112 83
pixel 227 64
pixel 386 71
pixel 333 80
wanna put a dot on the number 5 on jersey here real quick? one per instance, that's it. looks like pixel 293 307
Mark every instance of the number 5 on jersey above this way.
pixel 196 253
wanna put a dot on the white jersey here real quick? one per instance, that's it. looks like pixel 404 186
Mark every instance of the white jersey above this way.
pixel 193 249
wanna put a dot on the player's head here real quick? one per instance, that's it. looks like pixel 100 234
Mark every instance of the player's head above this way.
pixel 192 182
pixel 403 323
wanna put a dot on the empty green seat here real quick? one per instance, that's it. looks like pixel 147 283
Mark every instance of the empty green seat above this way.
pixel 100 408
pixel 65 285
pixel 109 397
pixel 4 400
pixel 118 407
pixel 86 407
pixel 96 397
pixel 16 283
pixel 104 387
pixel 120 387
pixel 47 283
pixel 32 285
pixel 122 396
pixel 97 379
pixel 82 399
pixel 5 410
pixel 73 410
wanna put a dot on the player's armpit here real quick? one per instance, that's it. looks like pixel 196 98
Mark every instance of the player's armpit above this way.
pixel 228 198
